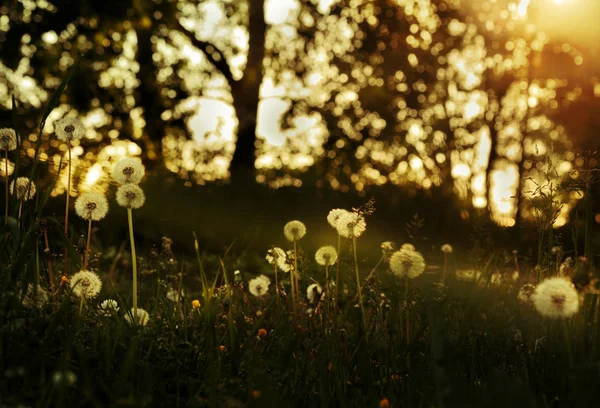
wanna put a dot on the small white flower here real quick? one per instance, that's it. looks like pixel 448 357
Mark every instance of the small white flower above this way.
pixel 556 298
pixel 447 248
pixel 326 255
pixel 259 286
pixel 92 206
pixel 351 225
pixel 130 196
pixel 8 139
pixel 334 216
pixel 294 230
pixel 141 318
pixel 525 293
pixel 109 307
pixel 407 263
pixel 86 284
pixel 314 292
pixel 129 171
pixel 20 187
pixel 68 129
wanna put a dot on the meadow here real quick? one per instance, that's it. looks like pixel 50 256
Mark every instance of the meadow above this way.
pixel 287 326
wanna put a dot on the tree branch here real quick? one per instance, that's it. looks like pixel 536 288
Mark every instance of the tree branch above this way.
pixel 214 54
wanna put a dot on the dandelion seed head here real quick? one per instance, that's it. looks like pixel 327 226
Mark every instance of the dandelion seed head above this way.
pixel 447 248
pixel 130 196
pixel 8 139
pixel 20 187
pixel 85 284
pixel 91 206
pixel 407 263
pixel 129 171
pixel 334 216
pixel 351 225
pixel 259 286
pixel 109 307
pixel 326 255
pixel 556 298
pixel 68 129
pixel 387 249
pixel 277 256
pixel 294 230
pixel 140 319
pixel 314 292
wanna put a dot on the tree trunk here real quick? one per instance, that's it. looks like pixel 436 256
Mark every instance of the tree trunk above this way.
pixel 246 96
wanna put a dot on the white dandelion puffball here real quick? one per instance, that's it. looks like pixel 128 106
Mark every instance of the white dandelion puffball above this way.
pixel 141 318
pixel 20 187
pixel 525 293
pixel 68 129
pixel 277 256
pixel 129 171
pixel 334 216
pixel 130 196
pixel 91 206
pixel 326 256
pixel 407 263
pixel 294 230
pixel 109 307
pixel 259 286
pixel 447 248
pixel 86 284
pixel 314 292
pixel 8 139
pixel 556 298
pixel 388 248
pixel 351 225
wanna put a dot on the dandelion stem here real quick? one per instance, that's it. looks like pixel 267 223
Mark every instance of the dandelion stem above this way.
pixel 6 184
pixel 360 299
pixel 81 306
pixel 276 284
pixel 406 305
pixel 337 273
pixel 87 247
pixel 295 275
pixel 133 260
pixel 327 288
pixel 66 255
pixel 20 209
pixel 445 268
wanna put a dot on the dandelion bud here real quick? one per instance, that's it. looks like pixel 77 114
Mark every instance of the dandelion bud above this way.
pixel 262 333
pixel 384 403
pixel 195 303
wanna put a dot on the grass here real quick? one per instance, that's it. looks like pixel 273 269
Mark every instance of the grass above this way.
pixel 465 340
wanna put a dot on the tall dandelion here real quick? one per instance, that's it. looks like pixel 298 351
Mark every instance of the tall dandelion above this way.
pixel 259 286
pixel 447 250
pixel 131 197
pixel 68 130
pixel 90 207
pixel 276 257
pixel 407 263
pixel 23 189
pixel 332 218
pixel 8 142
pixel 557 298
pixel 294 231
pixel 352 225
pixel 129 171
